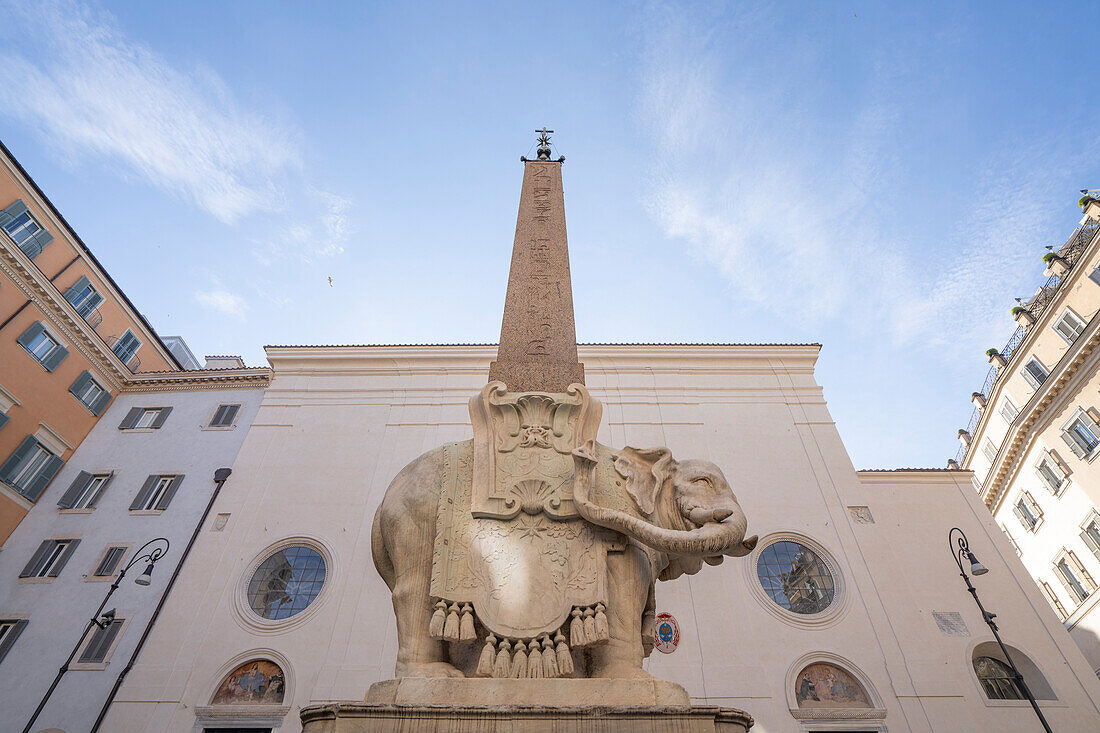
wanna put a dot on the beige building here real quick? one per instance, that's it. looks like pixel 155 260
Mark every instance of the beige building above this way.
pixel 849 614
pixel 1033 437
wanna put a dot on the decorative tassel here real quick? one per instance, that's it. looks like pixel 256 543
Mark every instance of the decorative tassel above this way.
pixel 435 628
pixel 450 629
pixel 602 632
pixel 519 661
pixel 466 627
pixel 549 659
pixel 589 626
pixel 576 629
pixel 565 659
pixel 502 667
pixel 534 659
pixel 488 656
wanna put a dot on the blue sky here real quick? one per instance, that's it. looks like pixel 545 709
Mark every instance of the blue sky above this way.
pixel 881 179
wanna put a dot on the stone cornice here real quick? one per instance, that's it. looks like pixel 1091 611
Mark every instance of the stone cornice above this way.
pixel 1035 415
pixel 910 476
pixel 247 378
pixel 61 314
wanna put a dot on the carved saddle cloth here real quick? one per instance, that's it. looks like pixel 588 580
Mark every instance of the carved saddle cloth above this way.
pixel 508 541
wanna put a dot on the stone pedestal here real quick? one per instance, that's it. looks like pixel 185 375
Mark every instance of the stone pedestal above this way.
pixel 420 705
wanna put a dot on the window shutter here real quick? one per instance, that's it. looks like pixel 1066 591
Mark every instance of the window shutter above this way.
pixel 162 502
pixel 100 642
pixel 9 639
pixel 64 559
pixel 55 358
pixel 102 488
pixel 12 211
pixel 90 304
pixel 15 460
pixel 131 418
pixel 30 334
pixel 1074 446
pixel 224 416
pixel 1021 516
pixel 1065 583
pixel 1089 583
pixel 109 562
pixel 139 500
pixel 36 558
pixel 36 244
pixel 80 383
pixel 76 288
pixel 161 417
pixel 100 403
pixel 76 488
pixel 3 419
pixel 45 476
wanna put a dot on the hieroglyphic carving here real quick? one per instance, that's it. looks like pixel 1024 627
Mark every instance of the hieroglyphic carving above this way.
pixel 522 449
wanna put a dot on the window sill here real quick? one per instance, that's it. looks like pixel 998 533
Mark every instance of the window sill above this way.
pixel 88 510
pixel 35 581
pixel 138 430
pixel 146 512
pixel 12 494
pixel 100 578
pixel 223 428
pixel 98 666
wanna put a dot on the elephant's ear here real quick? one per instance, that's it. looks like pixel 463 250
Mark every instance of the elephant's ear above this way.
pixel 645 471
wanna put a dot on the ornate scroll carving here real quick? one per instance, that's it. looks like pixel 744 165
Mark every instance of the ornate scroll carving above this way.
pixel 522 449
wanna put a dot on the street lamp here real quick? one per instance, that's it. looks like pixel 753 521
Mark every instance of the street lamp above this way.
pixel 960 552
pixel 103 620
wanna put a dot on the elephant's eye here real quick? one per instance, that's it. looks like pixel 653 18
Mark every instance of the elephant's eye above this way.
pixel 702 480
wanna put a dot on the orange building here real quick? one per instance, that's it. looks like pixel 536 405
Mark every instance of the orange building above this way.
pixel 69 342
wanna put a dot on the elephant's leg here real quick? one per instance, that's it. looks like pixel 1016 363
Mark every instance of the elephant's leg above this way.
pixel 628 581
pixel 418 654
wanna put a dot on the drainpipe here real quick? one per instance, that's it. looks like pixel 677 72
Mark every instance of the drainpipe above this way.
pixel 62 270
pixel 13 315
pixel 220 477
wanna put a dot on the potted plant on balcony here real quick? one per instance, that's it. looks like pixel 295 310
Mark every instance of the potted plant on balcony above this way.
pixel 1055 265
pixel 1023 316
pixel 996 358
pixel 1089 205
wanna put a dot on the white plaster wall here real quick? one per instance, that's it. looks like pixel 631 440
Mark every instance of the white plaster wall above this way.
pixel 338 423
pixel 59 610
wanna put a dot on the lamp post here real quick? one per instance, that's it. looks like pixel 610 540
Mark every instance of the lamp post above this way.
pixel 103 620
pixel 960 548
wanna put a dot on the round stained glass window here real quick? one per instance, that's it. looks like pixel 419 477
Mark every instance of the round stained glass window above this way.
pixel 796 577
pixel 287 582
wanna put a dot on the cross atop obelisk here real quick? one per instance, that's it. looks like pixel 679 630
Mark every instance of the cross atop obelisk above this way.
pixel 538 338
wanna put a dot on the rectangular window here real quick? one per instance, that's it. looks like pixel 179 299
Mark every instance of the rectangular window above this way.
pixel 1090 534
pixel 145 418
pixel 10 629
pixel 225 416
pixel 156 493
pixel 24 229
pixel 1095 275
pixel 100 643
pixel 83 297
pixel 1053 600
pixel 108 564
pixel 30 468
pixel 1051 474
pixel 1081 434
pixel 1074 577
pixel 49 559
pixel 990 450
pixel 90 393
pixel 126 347
pixel 43 346
pixel 1069 326
pixel 1028 512
pixel 1035 373
pixel 1008 410
pixel 85 490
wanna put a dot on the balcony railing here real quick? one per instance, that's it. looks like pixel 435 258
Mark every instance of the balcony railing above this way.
pixel 133 363
pixel 94 319
pixel 1071 252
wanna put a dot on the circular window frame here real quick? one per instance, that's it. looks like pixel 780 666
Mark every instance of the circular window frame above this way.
pixel 821 619
pixel 253 621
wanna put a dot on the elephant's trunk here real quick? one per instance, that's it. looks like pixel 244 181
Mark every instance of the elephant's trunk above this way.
pixel 713 538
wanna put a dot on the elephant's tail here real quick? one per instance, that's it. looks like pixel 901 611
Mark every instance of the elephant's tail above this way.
pixel 382 560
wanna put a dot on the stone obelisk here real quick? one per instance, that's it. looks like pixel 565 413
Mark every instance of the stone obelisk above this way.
pixel 538 339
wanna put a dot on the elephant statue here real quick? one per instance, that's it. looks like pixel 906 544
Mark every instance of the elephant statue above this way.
pixel 652 517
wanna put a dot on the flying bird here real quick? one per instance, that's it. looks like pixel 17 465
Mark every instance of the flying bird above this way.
pixel 330 282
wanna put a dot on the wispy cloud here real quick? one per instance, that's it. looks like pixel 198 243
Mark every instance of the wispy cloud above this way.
pixel 799 202
pixel 222 301
pixel 91 91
